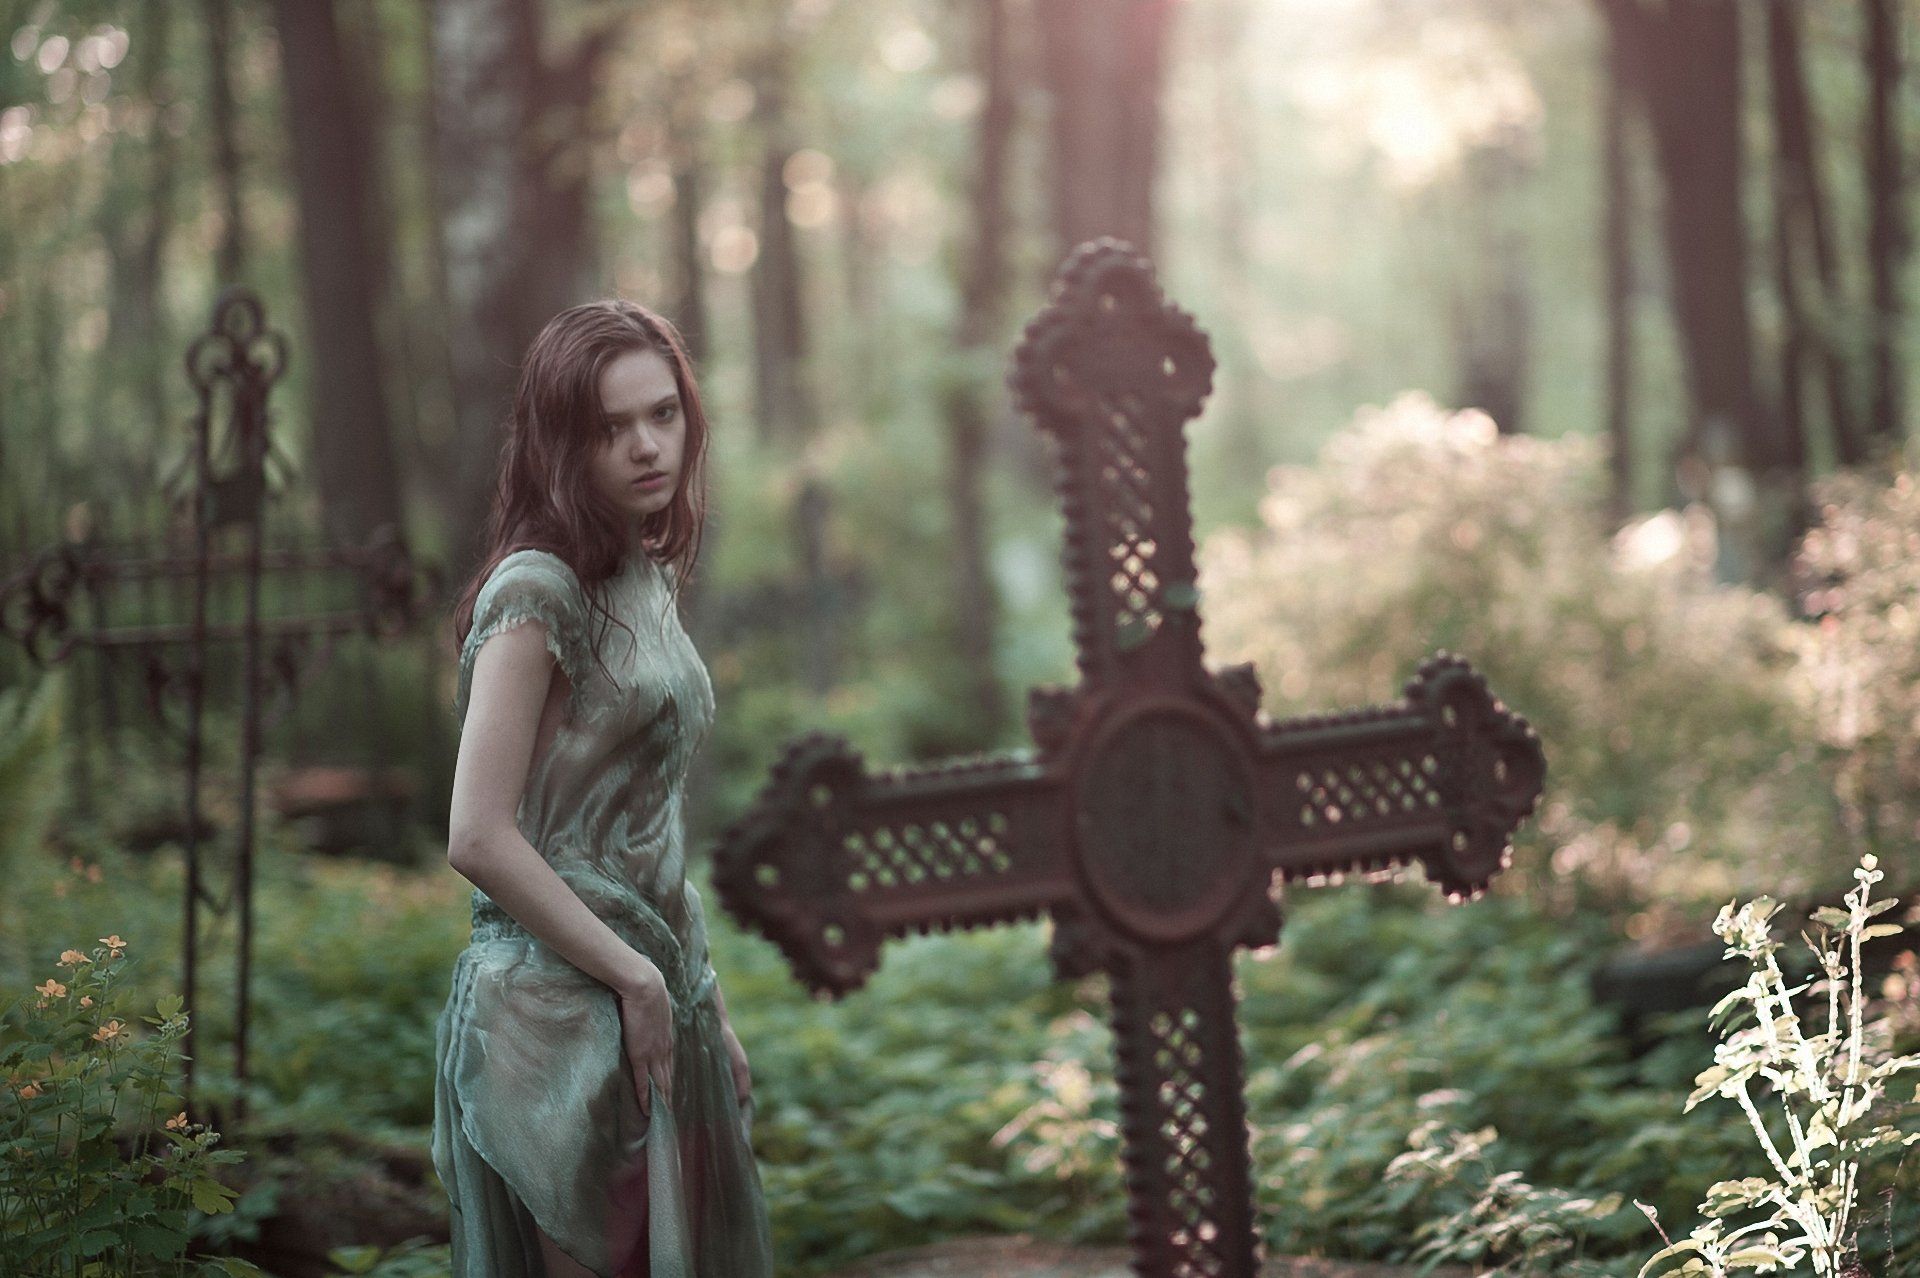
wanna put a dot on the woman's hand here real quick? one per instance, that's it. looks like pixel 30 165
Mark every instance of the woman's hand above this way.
pixel 646 1032
pixel 737 1058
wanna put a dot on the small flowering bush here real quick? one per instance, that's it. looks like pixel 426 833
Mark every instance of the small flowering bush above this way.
pixel 1681 766
pixel 1833 1120
pixel 99 1163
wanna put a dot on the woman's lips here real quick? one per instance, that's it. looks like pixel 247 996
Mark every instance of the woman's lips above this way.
pixel 652 479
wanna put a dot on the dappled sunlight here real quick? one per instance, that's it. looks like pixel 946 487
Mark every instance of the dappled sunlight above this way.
pixel 1420 90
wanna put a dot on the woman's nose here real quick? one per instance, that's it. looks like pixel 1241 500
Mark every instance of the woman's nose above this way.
pixel 642 445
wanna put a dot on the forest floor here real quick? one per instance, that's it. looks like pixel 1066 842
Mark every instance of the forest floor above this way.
pixel 1020 1257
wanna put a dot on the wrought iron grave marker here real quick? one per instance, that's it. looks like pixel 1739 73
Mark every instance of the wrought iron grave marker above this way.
pixel 233 365
pixel 1160 803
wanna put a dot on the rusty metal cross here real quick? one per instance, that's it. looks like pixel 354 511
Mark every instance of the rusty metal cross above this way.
pixel 1160 804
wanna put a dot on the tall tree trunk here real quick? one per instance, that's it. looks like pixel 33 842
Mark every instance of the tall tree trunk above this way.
pixel 783 400
pixel 861 243
pixel 1886 225
pixel 1236 191
pixel 1804 217
pixel 1799 230
pixel 783 396
pixel 686 144
pixel 511 152
pixel 982 306
pixel 136 228
pixel 1493 308
pixel 333 153
pixel 1617 251
pixel 1686 55
pixel 1733 453
pixel 1104 65
pixel 230 258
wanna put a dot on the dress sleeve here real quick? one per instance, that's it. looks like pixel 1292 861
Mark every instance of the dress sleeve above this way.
pixel 530 585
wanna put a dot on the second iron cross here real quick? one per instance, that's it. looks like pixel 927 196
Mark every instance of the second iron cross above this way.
pixel 1160 804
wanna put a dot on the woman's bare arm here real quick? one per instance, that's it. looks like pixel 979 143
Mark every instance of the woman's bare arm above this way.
pixel 511 676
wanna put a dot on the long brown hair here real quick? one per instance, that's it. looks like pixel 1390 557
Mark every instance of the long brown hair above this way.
pixel 543 499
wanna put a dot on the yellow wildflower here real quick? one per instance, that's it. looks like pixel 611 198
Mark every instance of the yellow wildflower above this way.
pixel 30 1091
pixel 114 945
pixel 73 958
pixel 52 989
pixel 111 1030
pixel 86 1000
pixel 178 1123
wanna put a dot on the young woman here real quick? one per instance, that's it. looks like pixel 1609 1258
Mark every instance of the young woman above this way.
pixel 591 1100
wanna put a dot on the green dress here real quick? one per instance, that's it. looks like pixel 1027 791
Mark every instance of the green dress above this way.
pixel 535 1117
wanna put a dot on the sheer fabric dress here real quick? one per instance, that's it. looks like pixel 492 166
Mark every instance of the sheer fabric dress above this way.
pixel 535 1116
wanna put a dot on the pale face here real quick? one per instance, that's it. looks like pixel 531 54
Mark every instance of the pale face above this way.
pixel 637 465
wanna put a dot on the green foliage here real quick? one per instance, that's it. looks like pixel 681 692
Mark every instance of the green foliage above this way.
pixel 95 1180
pixel 1479 1216
pixel 29 733
pixel 882 1121
pixel 964 1092
pixel 1827 1088
pixel 416 1259
pixel 351 970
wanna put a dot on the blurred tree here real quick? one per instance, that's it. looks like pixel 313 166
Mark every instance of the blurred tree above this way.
pixel 1105 66
pixel 1887 233
pixel 231 256
pixel 1492 302
pixel 1683 60
pixel 983 293
pixel 1618 190
pixel 513 158
pixel 137 215
pixel 341 257
pixel 1801 239
pixel 687 152
pixel 783 399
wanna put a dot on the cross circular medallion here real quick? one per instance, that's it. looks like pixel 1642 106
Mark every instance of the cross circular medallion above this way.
pixel 1165 817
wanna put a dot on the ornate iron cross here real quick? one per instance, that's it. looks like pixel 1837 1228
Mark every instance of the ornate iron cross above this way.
pixel 1161 802
pixel 60 603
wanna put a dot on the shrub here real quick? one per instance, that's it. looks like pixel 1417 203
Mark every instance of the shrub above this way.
pixel 96 1179
pixel 1661 696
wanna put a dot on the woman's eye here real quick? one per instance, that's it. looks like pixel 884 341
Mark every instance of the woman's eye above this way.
pixel 666 412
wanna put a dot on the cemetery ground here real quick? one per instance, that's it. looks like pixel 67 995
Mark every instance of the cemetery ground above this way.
pixel 1425 1082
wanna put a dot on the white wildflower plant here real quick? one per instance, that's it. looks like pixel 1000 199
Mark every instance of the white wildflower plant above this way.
pixel 1829 1091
